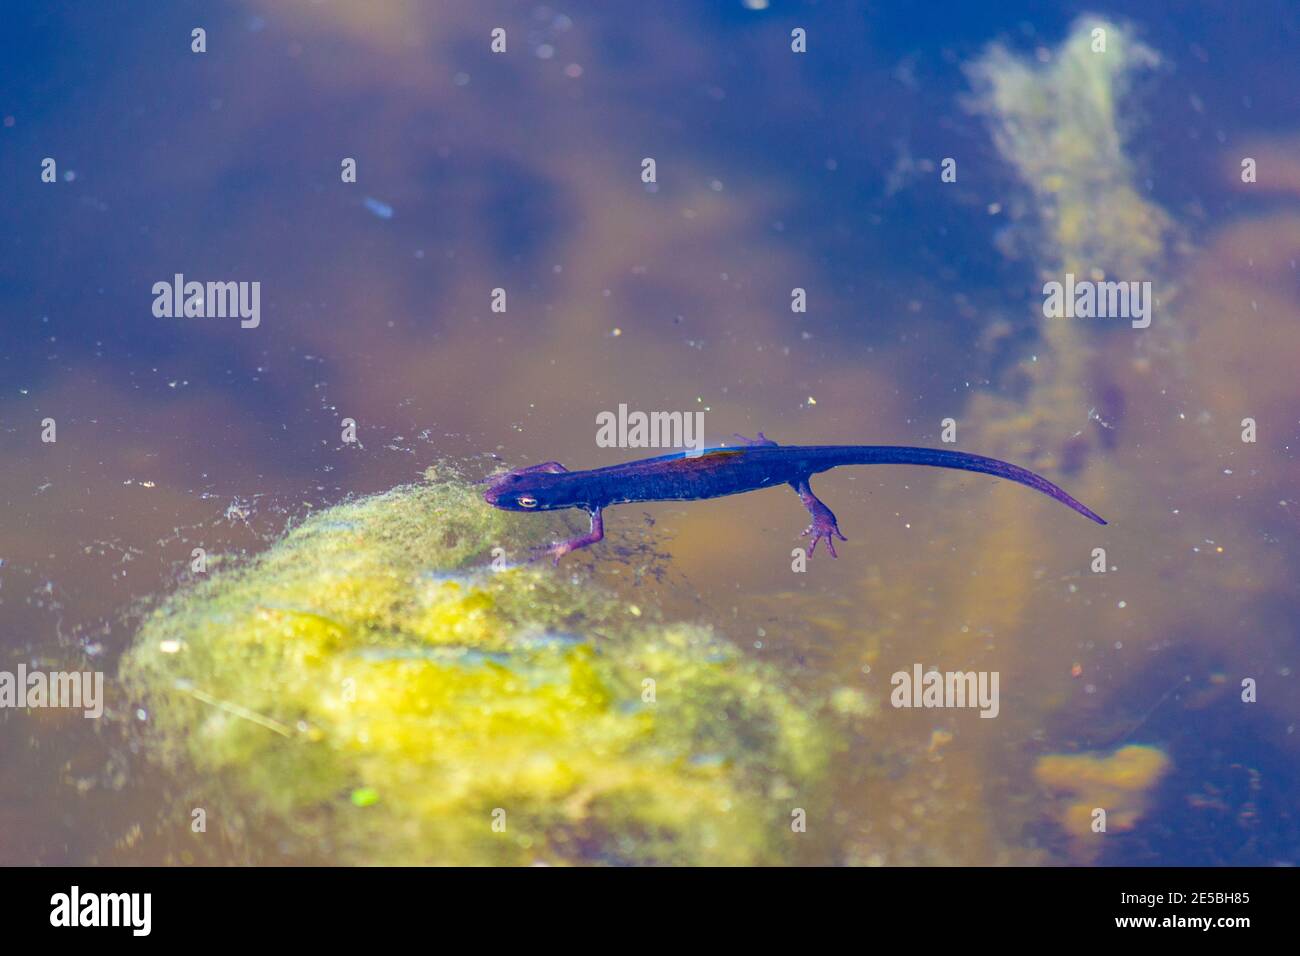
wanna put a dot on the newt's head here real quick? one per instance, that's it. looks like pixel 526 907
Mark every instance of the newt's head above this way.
pixel 529 489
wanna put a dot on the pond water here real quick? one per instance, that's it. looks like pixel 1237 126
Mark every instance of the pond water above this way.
pixel 848 245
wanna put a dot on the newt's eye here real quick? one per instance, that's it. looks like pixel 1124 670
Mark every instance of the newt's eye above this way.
pixel 527 501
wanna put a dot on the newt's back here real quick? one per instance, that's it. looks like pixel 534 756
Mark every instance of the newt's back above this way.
pixel 683 476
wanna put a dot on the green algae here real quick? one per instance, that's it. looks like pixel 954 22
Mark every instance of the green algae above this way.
pixel 370 690
pixel 1058 122
pixel 1058 119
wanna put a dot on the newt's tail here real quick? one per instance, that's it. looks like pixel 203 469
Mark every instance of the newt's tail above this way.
pixel 938 458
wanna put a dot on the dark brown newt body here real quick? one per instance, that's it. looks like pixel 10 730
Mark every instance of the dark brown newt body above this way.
pixel 717 472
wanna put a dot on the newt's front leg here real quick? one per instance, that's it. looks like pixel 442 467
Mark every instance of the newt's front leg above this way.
pixel 597 533
pixel 823 523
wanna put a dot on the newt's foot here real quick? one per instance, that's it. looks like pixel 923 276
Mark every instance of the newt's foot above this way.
pixel 823 527
pixel 560 548
pixel 553 551
pixel 762 441
pixel 823 519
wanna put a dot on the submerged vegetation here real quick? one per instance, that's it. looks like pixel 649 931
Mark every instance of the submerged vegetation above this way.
pixel 1106 792
pixel 370 688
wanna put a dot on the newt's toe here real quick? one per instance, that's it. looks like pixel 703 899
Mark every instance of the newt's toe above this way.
pixel 823 530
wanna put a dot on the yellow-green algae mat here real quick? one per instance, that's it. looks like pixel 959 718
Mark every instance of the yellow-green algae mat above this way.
pixel 370 691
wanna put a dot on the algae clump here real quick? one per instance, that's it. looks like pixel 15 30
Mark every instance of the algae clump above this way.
pixel 1119 783
pixel 369 690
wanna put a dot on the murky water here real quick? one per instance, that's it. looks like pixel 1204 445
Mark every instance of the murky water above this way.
pixel 1155 681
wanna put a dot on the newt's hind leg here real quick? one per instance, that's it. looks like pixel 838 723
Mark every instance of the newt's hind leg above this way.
pixel 762 441
pixel 823 523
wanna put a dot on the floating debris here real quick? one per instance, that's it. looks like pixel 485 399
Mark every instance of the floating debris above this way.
pixel 380 209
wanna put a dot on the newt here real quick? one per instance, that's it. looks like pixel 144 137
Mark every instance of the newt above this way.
pixel 716 472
